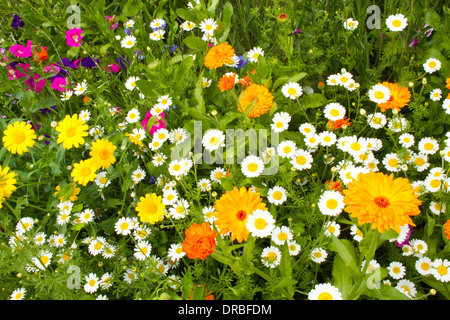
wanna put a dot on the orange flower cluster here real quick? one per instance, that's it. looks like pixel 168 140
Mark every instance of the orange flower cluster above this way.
pixel 334 125
pixel 200 241
pixel 400 97
pixel 264 100
pixel 447 228
pixel 227 82
pixel 218 55
pixel 41 55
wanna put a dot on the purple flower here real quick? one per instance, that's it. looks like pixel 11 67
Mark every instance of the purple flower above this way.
pixel 242 61
pixel 121 61
pixel 88 62
pixel 17 22
pixel 296 31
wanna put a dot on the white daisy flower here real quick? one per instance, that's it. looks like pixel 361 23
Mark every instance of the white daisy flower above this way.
pixel 286 149
pixel 324 291
pixel 436 94
pixel 318 255
pixel 271 256
pixel 277 195
pixel 350 24
pixel 123 226
pixel 260 223
pixel 175 252
pixel 334 111
pixel 130 84
pixel 292 90
pixel 331 203
pixel 397 22
pixel 428 145
pixel 280 121
pixel 252 166
pixel 332 228
pixel 92 283
pixel 302 159
pixel 379 93
pixel 133 116
pixel 128 41
pixel 307 129
pixel 18 294
pixel 377 121
pixel 80 88
pixel 188 25
pixel 432 65
pixel 142 250
pixel 254 53
pixel 66 95
pixel 208 26
pixel 396 270
pixel 213 139
pixel 406 140
pixel 157 35
pixel 217 174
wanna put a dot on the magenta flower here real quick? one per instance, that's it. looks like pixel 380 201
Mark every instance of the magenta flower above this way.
pixel 21 51
pixel 35 85
pixel 59 84
pixel 160 122
pixel 73 37
pixel 16 72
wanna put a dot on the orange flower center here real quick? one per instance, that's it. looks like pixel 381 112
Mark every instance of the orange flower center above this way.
pixel 382 202
pixel 241 215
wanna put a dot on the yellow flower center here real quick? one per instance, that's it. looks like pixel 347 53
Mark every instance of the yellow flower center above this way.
pixel 432 64
pixel 277 195
pixel 260 223
pixel 331 204
pixel 379 95
pixel 252 166
pixel 396 23
pixel 325 296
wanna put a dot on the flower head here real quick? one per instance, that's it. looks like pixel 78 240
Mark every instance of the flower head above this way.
pixel 200 241
pixel 400 97
pixel 73 37
pixel 71 131
pixel 233 209
pixel 263 100
pixel 18 137
pixel 102 153
pixel 150 208
pixel 218 55
pixel 381 200
pixel 84 172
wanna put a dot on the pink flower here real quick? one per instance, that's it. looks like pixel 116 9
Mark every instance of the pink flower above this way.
pixel 113 67
pixel 34 85
pixel 158 124
pixel 59 84
pixel 21 51
pixel 73 37
pixel 16 74
pixel 52 68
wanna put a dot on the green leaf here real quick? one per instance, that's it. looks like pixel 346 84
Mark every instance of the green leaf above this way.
pixel 313 100
pixel 78 226
pixel 297 77
pixel 344 248
pixel 227 14
pixel 343 280
pixel 433 19
pixel 182 72
pixel 131 8
pixel 146 88
pixel 195 43
pixel 187 15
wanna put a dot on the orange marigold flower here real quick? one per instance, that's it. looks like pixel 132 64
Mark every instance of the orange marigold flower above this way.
pixel 227 82
pixel 447 229
pixel 245 81
pixel 447 83
pixel 264 100
pixel 85 99
pixel 334 185
pixel 41 55
pixel 382 201
pixel 400 97
pixel 200 241
pixel 233 209
pixel 218 55
pixel 334 125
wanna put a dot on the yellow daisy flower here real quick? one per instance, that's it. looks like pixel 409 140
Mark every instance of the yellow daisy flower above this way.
pixel 71 131
pixel 18 137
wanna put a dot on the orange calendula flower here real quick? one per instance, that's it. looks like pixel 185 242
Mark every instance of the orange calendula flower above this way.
pixel 447 83
pixel 218 55
pixel 263 103
pixel 233 209
pixel 227 82
pixel 245 81
pixel 336 185
pixel 381 200
pixel 447 229
pixel 400 97
pixel 41 55
pixel 334 125
pixel 200 241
